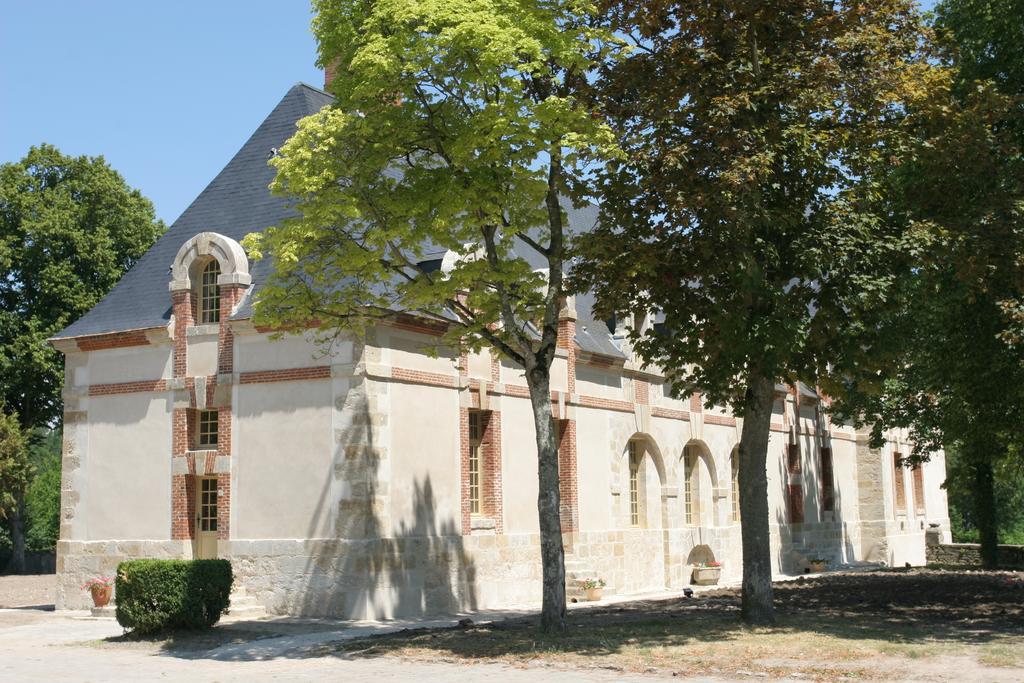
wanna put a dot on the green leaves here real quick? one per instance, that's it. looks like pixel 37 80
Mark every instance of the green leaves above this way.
pixel 754 141
pixel 460 127
pixel 69 229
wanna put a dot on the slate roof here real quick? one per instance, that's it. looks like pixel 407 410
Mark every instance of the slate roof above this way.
pixel 234 204
pixel 238 202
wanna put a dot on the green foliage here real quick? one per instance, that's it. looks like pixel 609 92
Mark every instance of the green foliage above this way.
pixel 988 38
pixel 69 229
pixel 160 595
pixel 15 469
pixel 42 500
pixel 458 126
pixel 757 139
pixel 1009 494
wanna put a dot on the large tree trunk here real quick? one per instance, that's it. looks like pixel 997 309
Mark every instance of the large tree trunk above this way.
pixel 552 554
pixel 17 519
pixel 753 480
pixel 985 508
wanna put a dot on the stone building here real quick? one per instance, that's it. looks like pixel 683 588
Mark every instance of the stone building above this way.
pixel 371 479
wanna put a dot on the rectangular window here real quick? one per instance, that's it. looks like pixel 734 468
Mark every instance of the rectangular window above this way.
pixel 208 504
pixel 207 428
pixel 793 465
pixel 796 503
pixel 209 294
pixel 898 485
pixel 828 492
pixel 634 485
pixel 918 474
pixel 736 486
pixel 475 464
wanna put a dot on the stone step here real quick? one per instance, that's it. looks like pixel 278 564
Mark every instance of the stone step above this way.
pixel 245 606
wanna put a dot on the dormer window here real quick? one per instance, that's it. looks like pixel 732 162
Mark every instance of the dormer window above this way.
pixel 209 294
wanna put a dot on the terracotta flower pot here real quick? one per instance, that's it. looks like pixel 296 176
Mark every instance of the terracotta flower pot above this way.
pixel 101 595
pixel 593 594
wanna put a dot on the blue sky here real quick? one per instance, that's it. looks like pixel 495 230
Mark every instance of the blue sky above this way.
pixel 166 91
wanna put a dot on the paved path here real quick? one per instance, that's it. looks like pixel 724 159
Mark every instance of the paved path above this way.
pixel 38 646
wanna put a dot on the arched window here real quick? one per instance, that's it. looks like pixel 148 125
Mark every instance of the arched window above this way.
pixel 635 503
pixel 209 294
pixel 735 486
pixel 690 487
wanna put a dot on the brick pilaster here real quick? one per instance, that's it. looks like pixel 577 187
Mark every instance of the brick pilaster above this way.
pixel 568 480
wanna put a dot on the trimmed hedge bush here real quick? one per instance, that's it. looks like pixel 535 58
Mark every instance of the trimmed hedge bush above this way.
pixel 158 595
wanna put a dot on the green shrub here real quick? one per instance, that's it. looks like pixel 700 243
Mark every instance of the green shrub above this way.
pixel 158 595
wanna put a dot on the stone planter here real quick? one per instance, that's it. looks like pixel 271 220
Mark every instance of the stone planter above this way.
pixel 101 595
pixel 818 567
pixel 593 594
pixel 706 576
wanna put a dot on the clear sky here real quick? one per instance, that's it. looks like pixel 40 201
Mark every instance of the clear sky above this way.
pixel 166 91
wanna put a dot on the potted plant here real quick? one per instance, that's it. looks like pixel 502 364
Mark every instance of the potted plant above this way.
pixel 707 573
pixel 592 587
pixel 819 564
pixel 101 587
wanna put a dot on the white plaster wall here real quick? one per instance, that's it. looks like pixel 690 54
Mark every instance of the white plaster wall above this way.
pixel 127 484
pixel 512 373
pixel 519 466
pixel 844 476
pixel 408 350
pixel 594 381
pixel 202 355
pixel 593 471
pixel 127 364
pixel 282 458
pixel 256 352
pixel 480 365
pixel 426 494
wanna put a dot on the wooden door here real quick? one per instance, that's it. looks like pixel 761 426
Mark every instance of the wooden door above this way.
pixel 206 518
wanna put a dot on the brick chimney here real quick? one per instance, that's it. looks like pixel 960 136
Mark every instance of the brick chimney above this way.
pixel 329 71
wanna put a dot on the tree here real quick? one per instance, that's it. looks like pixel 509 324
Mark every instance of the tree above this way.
pixel 961 187
pixel 15 473
pixel 70 227
pixel 456 126
pixel 42 499
pixel 745 212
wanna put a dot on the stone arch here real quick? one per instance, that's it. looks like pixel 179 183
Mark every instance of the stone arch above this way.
pixel 234 265
pixel 704 505
pixel 652 494
pixel 700 554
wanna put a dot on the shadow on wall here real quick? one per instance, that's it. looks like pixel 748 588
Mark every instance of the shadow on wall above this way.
pixel 822 534
pixel 364 571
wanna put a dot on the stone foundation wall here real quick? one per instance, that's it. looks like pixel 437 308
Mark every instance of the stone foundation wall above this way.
pixel 1010 556
pixel 79 561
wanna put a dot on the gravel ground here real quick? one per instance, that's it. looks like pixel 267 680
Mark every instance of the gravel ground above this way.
pixel 37 591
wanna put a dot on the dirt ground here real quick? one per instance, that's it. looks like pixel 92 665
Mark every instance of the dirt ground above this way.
pixel 891 625
pixel 905 625
pixel 38 591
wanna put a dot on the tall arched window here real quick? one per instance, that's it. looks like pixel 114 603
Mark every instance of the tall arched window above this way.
pixel 635 501
pixel 209 294
pixel 690 487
